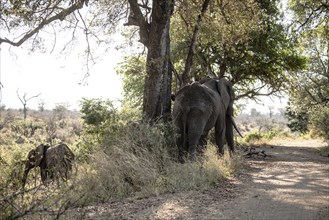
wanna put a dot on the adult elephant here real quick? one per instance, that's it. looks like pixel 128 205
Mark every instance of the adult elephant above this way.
pixel 53 162
pixel 198 108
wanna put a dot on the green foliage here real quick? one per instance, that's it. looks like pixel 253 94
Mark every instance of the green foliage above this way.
pixel 297 120
pixel 248 45
pixel 254 136
pixel 309 89
pixel 98 117
pixel 257 136
pixel 131 158
pixel 309 14
pixel 96 113
pixel 133 72
pixel 319 120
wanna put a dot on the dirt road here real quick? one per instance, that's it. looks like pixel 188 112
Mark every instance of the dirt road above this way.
pixel 291 183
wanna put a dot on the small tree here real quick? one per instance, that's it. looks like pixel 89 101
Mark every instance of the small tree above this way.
pixel 41 105
pixel 298 119
pixel 2 109
pixel 24 99
pixel 96 114
pixel 309 91
pixel 319 121
pixel 55 121
pixel 254 113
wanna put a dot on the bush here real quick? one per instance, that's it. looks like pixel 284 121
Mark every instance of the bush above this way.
pixel 36 201
pixel 257 136
pixel 133 155
pixel 116 158
pixel 140 160
pixel 252 137
pixel 130 158
pixel 298 119
pixel 319 120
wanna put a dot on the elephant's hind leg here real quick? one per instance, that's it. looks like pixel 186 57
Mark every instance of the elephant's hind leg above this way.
pixel 229 134
pixel 202 144
pixel 195 131
pixel 220 139
pixel 182 147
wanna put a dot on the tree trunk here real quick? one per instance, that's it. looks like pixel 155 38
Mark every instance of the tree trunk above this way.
pixel 157 89
pixel 189 59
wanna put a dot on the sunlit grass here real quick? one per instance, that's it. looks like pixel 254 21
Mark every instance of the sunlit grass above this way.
pixel 132 161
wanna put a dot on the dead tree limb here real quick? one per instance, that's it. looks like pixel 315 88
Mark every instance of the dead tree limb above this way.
pixel 253 152
pixel 24 101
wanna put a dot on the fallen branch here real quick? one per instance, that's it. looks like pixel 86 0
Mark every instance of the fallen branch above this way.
pixel 253 152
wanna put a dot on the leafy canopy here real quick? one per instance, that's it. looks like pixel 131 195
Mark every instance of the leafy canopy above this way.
pixel 244 41
pixel 309 91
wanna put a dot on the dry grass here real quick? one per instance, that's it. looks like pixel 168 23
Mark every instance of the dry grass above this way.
pixel 129 161
pixel 123 173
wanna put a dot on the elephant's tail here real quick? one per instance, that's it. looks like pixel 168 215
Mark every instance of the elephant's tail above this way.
pixel 235 126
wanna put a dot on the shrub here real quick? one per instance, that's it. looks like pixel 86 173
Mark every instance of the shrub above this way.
pixel 140 160
pixel 130 158
pixel 320 122
pixel 120 159
pixel 133 155
pixel 298 119
pixel 263 137
pixel 252 137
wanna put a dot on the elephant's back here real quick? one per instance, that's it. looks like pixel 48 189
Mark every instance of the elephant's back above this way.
pixel 52 155
pixel 195 98
pixel 194 95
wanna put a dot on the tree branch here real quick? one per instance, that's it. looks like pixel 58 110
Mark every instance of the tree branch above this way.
pixel 189 59
pixel 136 18
pixel 322 6
pixel 253 93
pixel 78 4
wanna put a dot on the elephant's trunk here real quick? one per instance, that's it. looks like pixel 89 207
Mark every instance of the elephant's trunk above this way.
pixel 28 166
pixel 26 172
pixel 236 127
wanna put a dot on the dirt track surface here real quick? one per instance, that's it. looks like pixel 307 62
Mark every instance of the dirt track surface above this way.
pixel 291 183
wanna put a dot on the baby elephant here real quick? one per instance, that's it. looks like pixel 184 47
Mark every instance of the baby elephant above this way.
pixel 54 162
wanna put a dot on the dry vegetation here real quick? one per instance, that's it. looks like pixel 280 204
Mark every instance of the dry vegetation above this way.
pixel 123 160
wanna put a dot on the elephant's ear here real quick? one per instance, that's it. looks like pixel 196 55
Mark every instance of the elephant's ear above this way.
pixel 68 154
pixel 31 157
pixel 39 154
pixel 226 92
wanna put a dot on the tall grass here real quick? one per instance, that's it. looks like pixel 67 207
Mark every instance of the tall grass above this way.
pixel 143 163
pixel 123 160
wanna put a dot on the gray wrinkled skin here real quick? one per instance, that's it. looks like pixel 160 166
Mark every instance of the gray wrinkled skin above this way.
pixel 197 109
pixel 54 162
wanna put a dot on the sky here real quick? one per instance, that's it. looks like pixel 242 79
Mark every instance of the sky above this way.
pixel 57 77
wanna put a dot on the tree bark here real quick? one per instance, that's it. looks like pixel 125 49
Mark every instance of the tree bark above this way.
pixel 157 89
pixel 154 34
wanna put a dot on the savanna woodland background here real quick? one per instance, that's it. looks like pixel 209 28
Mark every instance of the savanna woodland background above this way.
pixel 264 47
